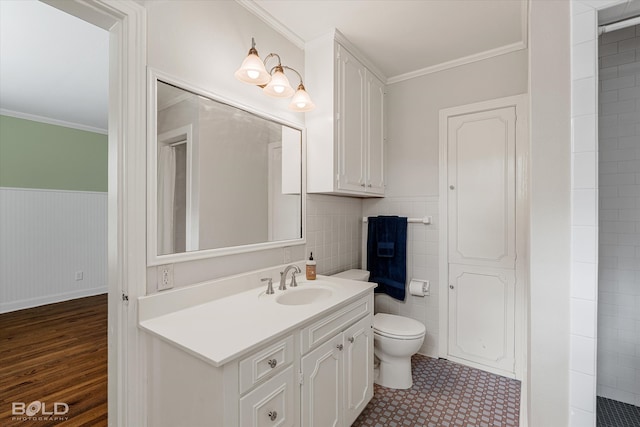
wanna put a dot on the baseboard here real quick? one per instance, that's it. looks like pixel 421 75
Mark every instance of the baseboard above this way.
pixel 7 307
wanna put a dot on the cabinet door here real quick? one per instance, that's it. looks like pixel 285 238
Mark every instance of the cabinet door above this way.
pixel 358 368
pixel 350 122
pixel 322 381
pixel 375 136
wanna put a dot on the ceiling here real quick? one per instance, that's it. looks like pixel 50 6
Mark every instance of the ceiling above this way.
pixel 402 37
pixel 42 75
pixel 41 72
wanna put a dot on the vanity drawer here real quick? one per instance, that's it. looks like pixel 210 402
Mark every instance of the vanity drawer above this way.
pixel 270 404
pixel 265 363
pixel 326 328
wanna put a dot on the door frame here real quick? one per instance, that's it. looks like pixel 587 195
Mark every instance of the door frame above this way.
pixel 520 102
pixel 126 239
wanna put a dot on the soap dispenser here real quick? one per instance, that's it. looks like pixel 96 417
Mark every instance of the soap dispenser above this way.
pixel 311 268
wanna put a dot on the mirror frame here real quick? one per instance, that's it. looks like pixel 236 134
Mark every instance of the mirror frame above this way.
pixel 153 258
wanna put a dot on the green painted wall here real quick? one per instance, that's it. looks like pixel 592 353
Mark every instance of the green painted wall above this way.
pixel 40 155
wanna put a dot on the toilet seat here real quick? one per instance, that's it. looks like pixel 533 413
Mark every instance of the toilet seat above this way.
pixel 397 327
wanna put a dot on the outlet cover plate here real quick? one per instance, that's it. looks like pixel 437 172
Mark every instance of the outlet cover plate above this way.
pixel 165 277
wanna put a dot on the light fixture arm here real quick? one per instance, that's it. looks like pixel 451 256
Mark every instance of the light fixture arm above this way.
pixel 289 68
pixel 268 57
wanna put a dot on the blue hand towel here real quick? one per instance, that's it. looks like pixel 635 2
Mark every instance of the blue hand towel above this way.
pixel 387 254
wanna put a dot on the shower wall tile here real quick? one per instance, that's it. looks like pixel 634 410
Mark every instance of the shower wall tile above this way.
pixel 618 361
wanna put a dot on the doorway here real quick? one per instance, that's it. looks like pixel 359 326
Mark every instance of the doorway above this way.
pixel 618 364
pixel 126 23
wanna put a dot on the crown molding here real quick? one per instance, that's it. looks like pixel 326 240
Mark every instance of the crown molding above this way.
pixel 458 62
pixel 50 121
pixel 270 20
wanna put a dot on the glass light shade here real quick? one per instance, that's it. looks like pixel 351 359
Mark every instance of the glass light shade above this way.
pixel 252 70
pixel 301 101
pixel 279 86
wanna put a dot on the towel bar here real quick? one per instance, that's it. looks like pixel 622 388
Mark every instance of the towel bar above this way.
pixel 423 220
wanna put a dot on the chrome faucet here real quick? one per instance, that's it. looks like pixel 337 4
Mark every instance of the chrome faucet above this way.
pixel 283 277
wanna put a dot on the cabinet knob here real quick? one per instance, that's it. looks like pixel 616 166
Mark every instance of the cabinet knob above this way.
pixel 452 187
pixel 362 185
pixel 351 339
pixel 340 347
pixel 272 363
pixel 369 185
pixel 272 415
pixel 450 286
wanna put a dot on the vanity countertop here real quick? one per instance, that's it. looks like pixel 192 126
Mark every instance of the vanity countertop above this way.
pixel 221 330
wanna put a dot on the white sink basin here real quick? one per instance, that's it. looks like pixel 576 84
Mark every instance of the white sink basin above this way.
pixel 303 296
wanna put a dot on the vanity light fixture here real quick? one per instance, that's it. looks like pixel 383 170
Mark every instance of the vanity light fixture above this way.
pixel 274 82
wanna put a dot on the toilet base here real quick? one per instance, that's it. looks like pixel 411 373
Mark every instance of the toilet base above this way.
pixel 395 373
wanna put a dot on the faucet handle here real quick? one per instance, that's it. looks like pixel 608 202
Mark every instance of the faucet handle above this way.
pixel 293 283
pixel 283 285
pixel 269 285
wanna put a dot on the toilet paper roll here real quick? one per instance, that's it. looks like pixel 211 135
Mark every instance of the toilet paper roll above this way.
pixel 416 287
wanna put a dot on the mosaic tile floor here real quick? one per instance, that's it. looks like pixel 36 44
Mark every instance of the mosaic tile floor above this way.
pixel 612 413
pixel 445 394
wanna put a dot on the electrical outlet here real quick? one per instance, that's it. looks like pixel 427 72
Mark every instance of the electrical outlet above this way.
pixel 165 277
pixel 79 275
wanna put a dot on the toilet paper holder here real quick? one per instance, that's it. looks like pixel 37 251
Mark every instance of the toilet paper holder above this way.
pixel 419 287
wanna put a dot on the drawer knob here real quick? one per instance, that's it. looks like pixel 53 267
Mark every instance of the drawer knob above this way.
pixel 272 363
pixel 351 340
pixel 272 415
pixel 340 347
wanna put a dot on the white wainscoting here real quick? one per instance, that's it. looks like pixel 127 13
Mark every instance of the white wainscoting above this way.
pixel 46 237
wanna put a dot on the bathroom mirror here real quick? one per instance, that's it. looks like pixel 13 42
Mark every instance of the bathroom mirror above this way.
pixel 222 179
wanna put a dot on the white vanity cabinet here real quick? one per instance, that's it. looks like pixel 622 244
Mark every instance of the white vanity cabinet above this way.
pixel 345 133
pixel 318 372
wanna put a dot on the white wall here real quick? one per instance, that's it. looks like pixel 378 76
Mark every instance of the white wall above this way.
pixel 413 108
pixel 46 237
pixel 618 366
pixel 550 184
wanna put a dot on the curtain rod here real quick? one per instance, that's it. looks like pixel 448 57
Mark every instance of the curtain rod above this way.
pixel 618 25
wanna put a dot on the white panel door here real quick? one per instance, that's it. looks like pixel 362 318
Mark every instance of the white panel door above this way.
pixel 481 181
pixel 375 137
pixel 481 315
pixel 322 385
pixel 481 211
pixel 351 121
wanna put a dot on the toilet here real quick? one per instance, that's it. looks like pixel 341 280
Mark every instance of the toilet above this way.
pixel 396 339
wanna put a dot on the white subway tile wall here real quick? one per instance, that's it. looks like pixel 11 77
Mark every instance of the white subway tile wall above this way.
pixel 619 235
pixel 584 215
pixel 334 232
pixel 422 262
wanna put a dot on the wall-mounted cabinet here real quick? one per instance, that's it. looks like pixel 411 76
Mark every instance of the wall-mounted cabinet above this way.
pixel 346 132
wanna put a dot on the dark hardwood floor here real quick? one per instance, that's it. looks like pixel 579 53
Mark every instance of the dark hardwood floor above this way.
pixel 55 353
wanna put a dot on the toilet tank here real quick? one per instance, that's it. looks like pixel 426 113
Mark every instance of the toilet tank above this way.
pixel 354 274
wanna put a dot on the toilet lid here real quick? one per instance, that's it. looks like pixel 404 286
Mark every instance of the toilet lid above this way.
pixel 392 326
